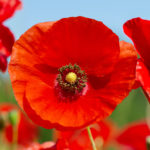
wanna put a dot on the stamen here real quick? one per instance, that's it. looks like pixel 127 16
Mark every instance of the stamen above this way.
pixel 71 78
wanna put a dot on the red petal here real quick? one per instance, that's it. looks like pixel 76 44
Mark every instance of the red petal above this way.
pixel 8 8
pixel 9 133
pixel 121 80
pixel 6 43
pixel 86 42
pixel 20 79
pixel 143 76
pixel 26 64
pixel 34 117
pixel 6 107
pixel 139 31
pixel 134 136
pixel 44 101
pixel 3 62
pixel 27 131
pixel 77 40
pixel 6 40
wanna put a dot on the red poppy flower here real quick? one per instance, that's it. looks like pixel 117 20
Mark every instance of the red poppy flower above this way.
pixel 102 133
pixel 27 131
pixel 70 73
pixel 134 136
pixel 139 31
pixel 37 146
pixel 8 8
pixel 6 43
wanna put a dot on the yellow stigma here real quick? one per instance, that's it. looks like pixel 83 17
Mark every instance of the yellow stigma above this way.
pixel 71 77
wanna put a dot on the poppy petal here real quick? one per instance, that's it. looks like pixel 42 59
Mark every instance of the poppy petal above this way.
pixel 85 42
pixel 82 111
pixel 139 31
pixel 31 63
pixel 71 40
pixel 8 8
pixel 3 63
pixel 134 136
pixel 25 74
pixel 6 40
pixel 143 76
pixel 121 79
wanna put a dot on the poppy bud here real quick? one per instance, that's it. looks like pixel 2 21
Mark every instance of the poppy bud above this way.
pixel 13 117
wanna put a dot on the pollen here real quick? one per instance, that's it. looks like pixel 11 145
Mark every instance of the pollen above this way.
pixel 71 77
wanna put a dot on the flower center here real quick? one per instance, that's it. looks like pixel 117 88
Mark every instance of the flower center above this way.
pixel 71 78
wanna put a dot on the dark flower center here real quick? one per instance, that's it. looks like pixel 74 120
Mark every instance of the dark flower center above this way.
pixel 72 78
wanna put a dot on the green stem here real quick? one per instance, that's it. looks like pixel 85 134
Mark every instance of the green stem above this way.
pixel 15 137
pixel 148 115
pixel 91 138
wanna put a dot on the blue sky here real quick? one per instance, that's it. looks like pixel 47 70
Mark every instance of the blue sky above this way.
pixel 113 13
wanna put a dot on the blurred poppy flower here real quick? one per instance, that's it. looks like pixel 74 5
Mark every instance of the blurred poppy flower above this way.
pixel 139 31
pixel 70 73
pixel 6 43
pixel 103 133
pixel 7 9
pixel 27 131
pixel 37 146
pixel 133 137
